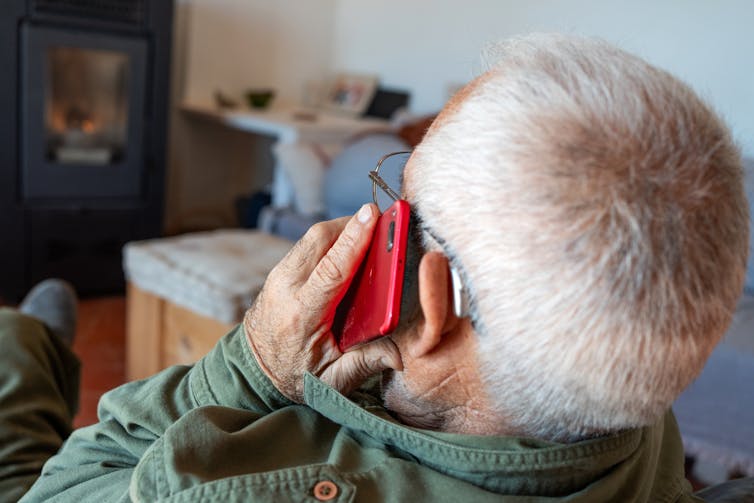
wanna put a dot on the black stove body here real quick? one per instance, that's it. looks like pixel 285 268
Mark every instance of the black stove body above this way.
pixel 83 119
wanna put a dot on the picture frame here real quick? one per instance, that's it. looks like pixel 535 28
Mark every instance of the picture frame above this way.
pixel 350 94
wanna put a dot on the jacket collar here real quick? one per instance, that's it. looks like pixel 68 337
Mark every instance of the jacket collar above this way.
pixel 507 465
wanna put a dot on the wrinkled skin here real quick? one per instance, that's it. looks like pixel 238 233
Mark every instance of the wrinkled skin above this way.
pixel 288 327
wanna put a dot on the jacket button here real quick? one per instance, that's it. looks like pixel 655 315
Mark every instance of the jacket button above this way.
pixel 325 490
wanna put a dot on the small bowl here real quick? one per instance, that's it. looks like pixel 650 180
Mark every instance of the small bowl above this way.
pixel 259 98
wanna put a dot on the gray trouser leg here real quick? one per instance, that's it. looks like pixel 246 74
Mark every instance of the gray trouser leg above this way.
pixel 39 380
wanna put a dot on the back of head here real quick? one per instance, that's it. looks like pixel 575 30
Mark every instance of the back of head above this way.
pixel 594 205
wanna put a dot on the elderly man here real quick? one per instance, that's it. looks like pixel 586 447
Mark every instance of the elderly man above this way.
pixel 594 208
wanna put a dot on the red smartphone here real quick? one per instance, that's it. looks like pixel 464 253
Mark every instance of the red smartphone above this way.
pixel 382 289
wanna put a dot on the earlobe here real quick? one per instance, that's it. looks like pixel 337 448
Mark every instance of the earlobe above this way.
pixel 435 302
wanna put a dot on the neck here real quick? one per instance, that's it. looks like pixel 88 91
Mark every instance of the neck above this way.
pixel 444 407
pixel 440 387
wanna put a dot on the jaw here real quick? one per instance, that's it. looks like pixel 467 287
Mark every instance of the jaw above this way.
pixel 450 405
pixel 409 409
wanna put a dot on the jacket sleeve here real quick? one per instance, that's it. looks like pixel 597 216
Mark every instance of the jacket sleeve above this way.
pixel 96 462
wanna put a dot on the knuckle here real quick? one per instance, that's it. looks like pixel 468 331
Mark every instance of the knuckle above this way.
pixel 347 240
pixel 316 233
pixel 330 269
pixel 299 250
pixel 275 272
pixel 361 366
pixel 289 270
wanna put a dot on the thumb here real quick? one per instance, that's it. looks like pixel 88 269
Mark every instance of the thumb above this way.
pixel 350 370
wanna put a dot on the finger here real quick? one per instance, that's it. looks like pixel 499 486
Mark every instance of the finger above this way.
pixel 330 278
pixel 301 260
pixel 354 367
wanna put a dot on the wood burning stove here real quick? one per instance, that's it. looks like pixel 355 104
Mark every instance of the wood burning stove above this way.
pixel 82 137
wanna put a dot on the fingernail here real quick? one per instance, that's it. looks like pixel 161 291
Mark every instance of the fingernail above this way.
pixel 365 213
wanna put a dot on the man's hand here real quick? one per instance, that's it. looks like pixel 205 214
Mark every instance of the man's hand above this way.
pixel 288 326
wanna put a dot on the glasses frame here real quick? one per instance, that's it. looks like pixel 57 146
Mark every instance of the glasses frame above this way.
pixel 461 303
pixel 377 180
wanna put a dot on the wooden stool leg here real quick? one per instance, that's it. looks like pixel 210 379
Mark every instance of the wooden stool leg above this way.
pixel 144 328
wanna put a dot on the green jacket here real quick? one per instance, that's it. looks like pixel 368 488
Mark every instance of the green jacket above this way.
pixel 219 431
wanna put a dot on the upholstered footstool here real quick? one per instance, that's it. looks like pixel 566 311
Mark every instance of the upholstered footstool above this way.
pixel 186 292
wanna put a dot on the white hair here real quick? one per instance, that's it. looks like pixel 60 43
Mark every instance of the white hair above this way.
pixel 594 205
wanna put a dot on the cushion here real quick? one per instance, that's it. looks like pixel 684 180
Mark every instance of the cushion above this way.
pixel 347 185
pixel 740 333
pixel 715 417
pixel 749 183
pixel 714 414
pixel 217 274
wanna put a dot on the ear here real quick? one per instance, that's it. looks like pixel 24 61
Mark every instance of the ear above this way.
pixel 435 302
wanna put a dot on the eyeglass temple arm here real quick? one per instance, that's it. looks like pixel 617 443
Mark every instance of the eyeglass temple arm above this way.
pixel 378 181
pixel 460 295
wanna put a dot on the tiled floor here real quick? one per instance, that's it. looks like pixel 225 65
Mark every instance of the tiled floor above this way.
pixel 100 344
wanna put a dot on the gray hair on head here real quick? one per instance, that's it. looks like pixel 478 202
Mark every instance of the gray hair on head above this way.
pixel 599 219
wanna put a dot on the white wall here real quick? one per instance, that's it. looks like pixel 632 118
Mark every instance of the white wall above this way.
pixel 234 45
pixel 428 46
pixel 237 44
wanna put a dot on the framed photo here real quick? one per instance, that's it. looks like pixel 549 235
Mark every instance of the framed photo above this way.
pixel 350 94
